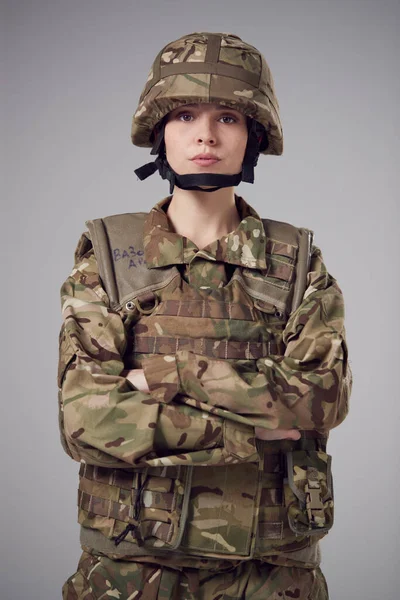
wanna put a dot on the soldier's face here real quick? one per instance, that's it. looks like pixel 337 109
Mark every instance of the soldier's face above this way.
pixel 205 129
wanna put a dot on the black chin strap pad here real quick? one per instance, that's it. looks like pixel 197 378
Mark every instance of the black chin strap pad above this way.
pixel 200 189
pixel 146 170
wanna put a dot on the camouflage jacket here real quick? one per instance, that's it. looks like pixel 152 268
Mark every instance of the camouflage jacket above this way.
pixel 105 421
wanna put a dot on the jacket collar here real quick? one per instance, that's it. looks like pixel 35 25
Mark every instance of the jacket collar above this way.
pixel 245 246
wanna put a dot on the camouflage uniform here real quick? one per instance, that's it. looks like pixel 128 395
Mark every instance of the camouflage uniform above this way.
pixel 201 410
pixel 102 577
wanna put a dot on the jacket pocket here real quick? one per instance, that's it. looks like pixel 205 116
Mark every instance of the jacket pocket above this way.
pixel 308 492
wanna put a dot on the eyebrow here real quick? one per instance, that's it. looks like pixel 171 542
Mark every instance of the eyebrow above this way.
pixel 220 107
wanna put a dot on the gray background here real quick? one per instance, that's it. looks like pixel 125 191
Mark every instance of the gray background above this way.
pixel 74 71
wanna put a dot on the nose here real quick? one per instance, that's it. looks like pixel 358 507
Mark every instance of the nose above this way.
pixel 206 133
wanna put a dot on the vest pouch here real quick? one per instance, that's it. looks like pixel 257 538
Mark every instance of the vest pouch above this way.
pixel 145 507
pixel 222 510
pixel 308 491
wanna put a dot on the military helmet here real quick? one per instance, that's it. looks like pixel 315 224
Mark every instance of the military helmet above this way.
pixel 215 68
pixel 209 67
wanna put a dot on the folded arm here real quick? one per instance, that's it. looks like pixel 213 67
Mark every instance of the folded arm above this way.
pixel 307 388
pixel 104 419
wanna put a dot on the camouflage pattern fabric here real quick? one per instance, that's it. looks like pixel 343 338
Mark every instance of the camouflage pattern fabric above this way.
pixel 244 247
pixel 100 577
pixel 201 409
pixel 106 422
pixel 209 67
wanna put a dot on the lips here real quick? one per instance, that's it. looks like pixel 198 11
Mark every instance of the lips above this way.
pixel 205 159
pixel 207 155
pixel 205 162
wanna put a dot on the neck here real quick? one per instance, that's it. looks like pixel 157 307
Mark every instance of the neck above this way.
pixel 203 216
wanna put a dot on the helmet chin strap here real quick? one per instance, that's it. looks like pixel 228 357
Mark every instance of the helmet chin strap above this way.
pixel 193 181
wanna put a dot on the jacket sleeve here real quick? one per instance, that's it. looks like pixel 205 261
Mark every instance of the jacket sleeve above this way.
pixel 306 388
pixel 104 419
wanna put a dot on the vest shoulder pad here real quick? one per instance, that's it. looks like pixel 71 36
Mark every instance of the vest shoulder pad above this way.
pixel 118 246
pixel 284 232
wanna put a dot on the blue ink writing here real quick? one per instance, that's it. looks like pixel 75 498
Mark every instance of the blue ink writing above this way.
pixel 121 253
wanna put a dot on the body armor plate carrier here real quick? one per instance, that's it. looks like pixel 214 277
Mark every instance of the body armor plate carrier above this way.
pixel 283 501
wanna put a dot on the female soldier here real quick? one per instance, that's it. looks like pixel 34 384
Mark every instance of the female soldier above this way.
pixel 202 358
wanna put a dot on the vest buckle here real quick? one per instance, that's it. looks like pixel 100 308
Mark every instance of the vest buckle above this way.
pixel 314 504
pixel 146 303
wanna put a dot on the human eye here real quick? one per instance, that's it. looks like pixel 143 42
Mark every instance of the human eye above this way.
pixel 232 119
pixel 183 114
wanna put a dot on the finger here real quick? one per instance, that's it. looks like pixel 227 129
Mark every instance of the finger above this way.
pixel 278 434
pixel 294 434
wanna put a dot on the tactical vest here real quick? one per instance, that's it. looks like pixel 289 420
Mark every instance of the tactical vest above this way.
pixel 283 502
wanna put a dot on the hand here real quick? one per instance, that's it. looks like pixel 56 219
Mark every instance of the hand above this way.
pixel 137 378
pixel 277 434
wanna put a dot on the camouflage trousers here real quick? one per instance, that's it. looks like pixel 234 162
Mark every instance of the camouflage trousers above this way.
pixel 101 577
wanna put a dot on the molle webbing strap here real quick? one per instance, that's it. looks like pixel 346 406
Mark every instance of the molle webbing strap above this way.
pixel 160 479
pixel 113 493
pixel 301 239
pixel 207 347
pixel 259 289
pixel 105 507
pixel 200 308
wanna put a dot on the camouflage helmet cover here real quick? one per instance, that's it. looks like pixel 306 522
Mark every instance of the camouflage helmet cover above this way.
pixel 209 67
